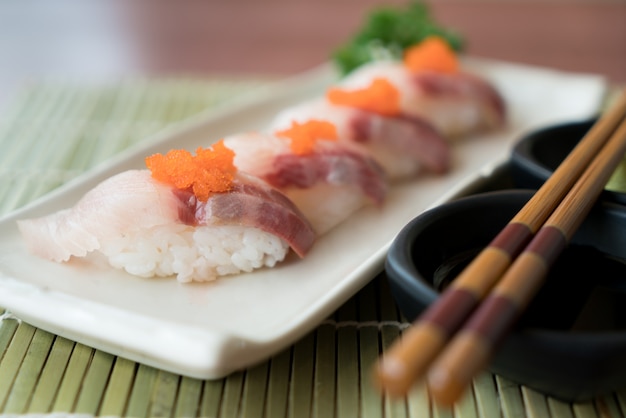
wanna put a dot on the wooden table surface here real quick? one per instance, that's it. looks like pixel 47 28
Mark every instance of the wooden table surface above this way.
pixel 99 39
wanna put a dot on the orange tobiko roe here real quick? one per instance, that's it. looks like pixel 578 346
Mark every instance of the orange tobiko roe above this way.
pixel 380 97
pixel 304 135
pixel 211 170
pixel 434 54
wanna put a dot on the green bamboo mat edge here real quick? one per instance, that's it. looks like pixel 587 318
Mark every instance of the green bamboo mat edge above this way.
pixel 52 133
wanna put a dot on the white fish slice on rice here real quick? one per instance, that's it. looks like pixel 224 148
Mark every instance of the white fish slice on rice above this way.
pixel 403 146
pixel 328 185
pixel 135 222
pixel 455 104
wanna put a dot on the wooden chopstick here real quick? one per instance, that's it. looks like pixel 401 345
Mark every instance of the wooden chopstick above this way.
pixel 472 348
pixel 408 359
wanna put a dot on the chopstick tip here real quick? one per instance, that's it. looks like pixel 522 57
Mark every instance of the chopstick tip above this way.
pixel 443 387
pixel 407 359
pixel 392 377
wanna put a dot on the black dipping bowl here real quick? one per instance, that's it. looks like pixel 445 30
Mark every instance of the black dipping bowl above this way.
pixel 571 341
pixel 538 154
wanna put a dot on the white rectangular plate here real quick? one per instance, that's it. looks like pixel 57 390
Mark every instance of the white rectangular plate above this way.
pixel 210 330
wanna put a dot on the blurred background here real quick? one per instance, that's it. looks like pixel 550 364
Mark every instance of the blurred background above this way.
pixel 87 40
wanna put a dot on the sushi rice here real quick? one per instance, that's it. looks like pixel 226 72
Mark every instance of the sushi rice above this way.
pixel 194 253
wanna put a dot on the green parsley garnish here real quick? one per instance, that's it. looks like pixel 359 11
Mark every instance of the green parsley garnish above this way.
pixel 388 32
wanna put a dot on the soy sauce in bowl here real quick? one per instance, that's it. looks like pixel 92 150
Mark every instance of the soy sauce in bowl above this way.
pixel 585 291
pixel 570 342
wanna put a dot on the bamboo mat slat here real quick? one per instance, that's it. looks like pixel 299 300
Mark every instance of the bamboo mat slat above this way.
pixel 52 133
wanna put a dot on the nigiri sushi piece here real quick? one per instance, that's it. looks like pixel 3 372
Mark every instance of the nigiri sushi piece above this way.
pixel 428 84
pixel 214 221
pixel 403 146
pixel 327 180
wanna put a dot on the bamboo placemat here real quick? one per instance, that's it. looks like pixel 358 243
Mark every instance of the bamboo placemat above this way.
pixel 52 133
